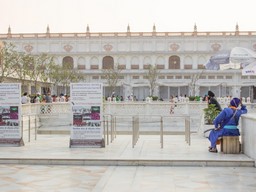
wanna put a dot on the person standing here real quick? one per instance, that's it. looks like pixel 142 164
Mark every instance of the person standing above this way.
pixel 172 105
pixel 226 122
pixel 213 100
pixel 37 98
pixel 48 98
pixel 62 98
pixel 25 98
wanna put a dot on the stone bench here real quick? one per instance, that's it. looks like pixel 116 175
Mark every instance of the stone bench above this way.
pixel 230 144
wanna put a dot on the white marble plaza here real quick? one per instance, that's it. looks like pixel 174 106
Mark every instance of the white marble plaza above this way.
pixel 48 164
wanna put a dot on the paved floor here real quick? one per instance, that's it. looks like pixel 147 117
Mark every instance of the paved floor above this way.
pixel 48 164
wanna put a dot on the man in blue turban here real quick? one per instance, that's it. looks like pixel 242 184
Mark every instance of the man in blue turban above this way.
pixel 226 122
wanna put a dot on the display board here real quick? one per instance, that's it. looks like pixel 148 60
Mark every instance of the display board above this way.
pixel 10 114
pixel 86 103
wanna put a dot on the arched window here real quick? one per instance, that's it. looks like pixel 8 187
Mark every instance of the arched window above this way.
pixel 81 63
pixel 188 62
pixel 108 62
pixel 174 62
pixel 68 62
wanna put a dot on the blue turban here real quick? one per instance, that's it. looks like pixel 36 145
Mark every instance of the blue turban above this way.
pixel 235 102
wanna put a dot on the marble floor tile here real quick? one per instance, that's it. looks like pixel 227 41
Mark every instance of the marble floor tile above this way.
pixel 16 178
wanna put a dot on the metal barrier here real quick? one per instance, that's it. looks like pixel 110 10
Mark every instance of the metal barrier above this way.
pixel 187 131
pixel 161 122
pixel 133 124
pixel 135 130
pixel 109 122
pixel 31 121
pixel 161 132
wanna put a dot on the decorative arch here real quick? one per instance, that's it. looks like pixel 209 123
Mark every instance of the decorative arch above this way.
pixel 147 61
pixel 121 61
pixel 202 60
pixel 55 60
pixel 107 62
pixel 188 62
pixel 94 61
pixel 174 62
pixel 160 61
pixel 68 62
pixel 81 63
pixel 135 61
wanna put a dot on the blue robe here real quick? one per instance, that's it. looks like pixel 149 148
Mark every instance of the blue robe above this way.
pixel 230 127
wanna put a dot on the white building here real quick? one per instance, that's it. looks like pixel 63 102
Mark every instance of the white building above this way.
pixel 180 57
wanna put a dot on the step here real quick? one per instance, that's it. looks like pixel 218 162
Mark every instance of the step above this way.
pixel 129 162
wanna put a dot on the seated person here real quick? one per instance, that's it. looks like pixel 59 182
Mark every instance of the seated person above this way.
pixel 226 122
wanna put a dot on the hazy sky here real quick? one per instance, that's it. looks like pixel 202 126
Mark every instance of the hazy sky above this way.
pixel 33 16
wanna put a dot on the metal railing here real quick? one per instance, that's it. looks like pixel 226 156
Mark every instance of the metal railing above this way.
pixel 155 124
pixel 109 128
pixel 135 130
pixel 29 124
pixel 187 131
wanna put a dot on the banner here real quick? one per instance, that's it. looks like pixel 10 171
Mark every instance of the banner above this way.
pixel 230 66
pixel 86 102
pixel 10 114
pixel 249 69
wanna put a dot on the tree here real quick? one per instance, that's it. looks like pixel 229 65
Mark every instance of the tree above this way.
pixel 22 67
pixel 64 75
pixel 111 74
pixel 70 75
pixel 8 61
pixel 38 66
pixel 35 68
pixel 192 84
pixel 151 75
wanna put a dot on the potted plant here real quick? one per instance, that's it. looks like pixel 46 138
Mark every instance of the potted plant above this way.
pixel 210 113
pixel 192 98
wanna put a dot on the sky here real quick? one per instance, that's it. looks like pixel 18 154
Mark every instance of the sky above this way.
pixel 72 16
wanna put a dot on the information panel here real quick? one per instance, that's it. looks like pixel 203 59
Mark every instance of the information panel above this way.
pixel 10 114
pixel 86 102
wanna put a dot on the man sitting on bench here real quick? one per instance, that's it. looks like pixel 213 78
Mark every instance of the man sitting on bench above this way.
pixel 226 123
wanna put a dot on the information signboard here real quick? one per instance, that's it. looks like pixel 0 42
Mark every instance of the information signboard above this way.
pixel 86 103
pixel 10 114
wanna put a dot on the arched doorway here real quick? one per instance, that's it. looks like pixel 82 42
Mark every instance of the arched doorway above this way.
pixel 108 62
pixel 68 62
pixel 174 62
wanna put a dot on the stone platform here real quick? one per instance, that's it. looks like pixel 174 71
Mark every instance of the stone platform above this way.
pixel 54 150
pixel 48 164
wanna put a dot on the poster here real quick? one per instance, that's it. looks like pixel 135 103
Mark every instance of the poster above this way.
pixel 86 103
pixel 10 114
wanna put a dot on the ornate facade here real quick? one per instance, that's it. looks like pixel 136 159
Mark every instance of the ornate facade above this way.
pixel 179 57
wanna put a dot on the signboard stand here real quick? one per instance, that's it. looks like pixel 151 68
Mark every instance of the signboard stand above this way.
pixel 10 115
pixel 11 142
pixel 87 105
pixel 86 143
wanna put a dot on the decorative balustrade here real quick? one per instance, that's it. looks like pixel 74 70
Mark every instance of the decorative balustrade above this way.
pixel 46 108
pixel 59 114
pixel 124 34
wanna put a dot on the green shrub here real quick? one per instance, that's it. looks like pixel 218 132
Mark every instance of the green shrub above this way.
pixel 210 113
pixel 192 98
